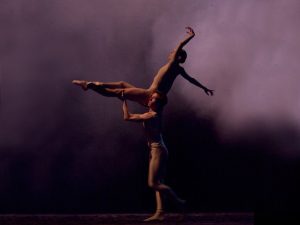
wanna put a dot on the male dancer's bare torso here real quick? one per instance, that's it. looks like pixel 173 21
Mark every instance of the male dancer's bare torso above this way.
pixel 153 129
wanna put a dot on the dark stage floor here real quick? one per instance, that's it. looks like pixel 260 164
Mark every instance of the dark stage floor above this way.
pixel 103 219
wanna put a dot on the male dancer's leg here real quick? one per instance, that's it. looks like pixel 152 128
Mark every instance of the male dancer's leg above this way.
pixel 156 171
pixel 159 213
pixel 157 166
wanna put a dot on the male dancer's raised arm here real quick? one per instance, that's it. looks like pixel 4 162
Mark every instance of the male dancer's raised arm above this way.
pixel 136 117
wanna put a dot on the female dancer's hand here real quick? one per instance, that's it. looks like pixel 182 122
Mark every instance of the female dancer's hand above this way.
pixel 190 31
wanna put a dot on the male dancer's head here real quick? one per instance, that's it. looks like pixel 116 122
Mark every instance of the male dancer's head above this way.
pixel 157 101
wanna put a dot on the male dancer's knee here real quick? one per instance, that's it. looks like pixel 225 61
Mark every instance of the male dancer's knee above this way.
pixel 153 184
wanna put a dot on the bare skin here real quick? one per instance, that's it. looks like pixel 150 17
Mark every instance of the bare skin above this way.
pixel 158 154
pixel 162 81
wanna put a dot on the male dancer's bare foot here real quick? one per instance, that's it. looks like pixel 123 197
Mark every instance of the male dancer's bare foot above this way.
pixel 158 216
pixel 82 83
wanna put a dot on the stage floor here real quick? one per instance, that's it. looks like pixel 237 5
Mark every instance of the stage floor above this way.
pixel 128 219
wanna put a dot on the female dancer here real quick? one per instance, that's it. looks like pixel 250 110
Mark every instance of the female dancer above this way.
pixel 162 81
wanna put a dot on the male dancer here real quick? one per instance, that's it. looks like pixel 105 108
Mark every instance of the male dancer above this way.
pixel 158 152
pixel 162 81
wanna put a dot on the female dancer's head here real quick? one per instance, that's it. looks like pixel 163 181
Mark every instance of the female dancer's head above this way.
pixel 181 57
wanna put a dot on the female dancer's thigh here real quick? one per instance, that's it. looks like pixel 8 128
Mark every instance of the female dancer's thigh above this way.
pixel 139 95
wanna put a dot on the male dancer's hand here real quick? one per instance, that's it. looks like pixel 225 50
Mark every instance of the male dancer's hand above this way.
pixel 122 96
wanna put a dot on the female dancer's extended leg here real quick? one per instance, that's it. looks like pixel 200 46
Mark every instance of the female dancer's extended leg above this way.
pixel 119 89
pixel 113 85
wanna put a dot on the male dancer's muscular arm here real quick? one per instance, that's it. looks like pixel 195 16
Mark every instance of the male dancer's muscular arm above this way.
pixel 136 117
pixel 191 34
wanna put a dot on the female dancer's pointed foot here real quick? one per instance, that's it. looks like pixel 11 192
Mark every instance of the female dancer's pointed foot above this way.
pixel 158 216
pixel 82 83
